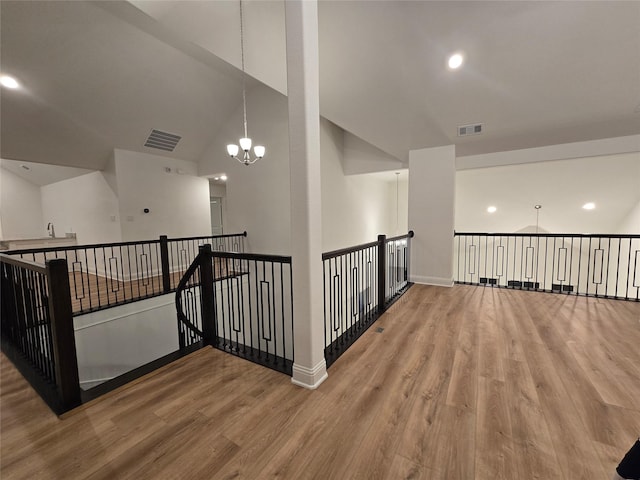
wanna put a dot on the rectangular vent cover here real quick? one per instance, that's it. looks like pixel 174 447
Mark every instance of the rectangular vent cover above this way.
pixel 162 140
pixel 475 129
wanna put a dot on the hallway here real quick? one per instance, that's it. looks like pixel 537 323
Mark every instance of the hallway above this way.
pixel 462 383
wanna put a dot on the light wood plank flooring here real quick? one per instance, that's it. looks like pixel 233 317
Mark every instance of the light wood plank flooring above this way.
pixel 463 383
pixel 91 292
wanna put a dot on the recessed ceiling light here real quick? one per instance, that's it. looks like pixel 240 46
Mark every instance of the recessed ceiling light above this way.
pixel 216 178
pixel 455 61
pixel 223 178
pixel 589 206
pixel 9 82
pixel 491 209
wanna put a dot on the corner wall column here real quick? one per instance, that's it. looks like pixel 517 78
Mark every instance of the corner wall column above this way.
pixel 309 367
pixel 432 176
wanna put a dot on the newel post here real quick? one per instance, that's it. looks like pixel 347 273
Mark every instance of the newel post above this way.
pixel 382 273
pixel 164 262
pixel 206 294
pixel 63 336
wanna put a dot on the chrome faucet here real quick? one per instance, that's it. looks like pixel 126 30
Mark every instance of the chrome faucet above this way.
pixel 51 230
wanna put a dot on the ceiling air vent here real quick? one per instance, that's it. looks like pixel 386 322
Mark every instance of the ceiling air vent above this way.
pixel 475 129
pixel 162 140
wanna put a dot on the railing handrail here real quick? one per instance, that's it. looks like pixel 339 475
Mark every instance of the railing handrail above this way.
pixel 178 297
pixel 344 251
pixel 597 265
pixel 557 235
pixel 114 244
pixel 409 234
pixel 234 312
pixel 37 328
pixel 19 262
pixel 226 235
pixel 76 247
pixel 252 256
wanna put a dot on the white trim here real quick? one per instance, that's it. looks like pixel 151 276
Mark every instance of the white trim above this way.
pixel 439 281
pixel 309 378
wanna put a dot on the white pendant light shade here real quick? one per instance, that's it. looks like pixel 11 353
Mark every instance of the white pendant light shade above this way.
pixel 259 151
pixel 245 144
pixel 232 150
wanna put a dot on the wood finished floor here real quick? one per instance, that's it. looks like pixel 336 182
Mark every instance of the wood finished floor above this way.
pixel 90 292
pixel 464 383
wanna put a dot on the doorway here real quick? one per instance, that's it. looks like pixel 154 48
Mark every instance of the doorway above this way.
pixel 216 215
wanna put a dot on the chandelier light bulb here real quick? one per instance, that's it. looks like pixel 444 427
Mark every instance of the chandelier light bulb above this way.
pixel 259 151
pixel 245 144
pixel 232 149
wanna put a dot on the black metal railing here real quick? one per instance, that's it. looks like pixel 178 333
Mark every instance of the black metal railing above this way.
pixel 594 265
pixel 360 282
pixel 240 303
pixel 182 251
pixel 37 328
pixel 105 275
pixel 398 260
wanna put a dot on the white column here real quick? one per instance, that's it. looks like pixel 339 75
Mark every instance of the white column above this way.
pixel 432 174
pixel 309 368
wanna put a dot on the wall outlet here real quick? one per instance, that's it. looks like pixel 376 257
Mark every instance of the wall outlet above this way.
pixel 129 218
pixel 112 218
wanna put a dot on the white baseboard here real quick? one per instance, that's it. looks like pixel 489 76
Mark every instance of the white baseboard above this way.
pixel 439 281
pixel 309 378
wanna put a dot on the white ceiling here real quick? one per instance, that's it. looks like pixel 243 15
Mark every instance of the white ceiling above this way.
pixel 101 75
pixel 41 173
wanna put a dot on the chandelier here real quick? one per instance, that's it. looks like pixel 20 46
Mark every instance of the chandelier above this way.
pixel 245 142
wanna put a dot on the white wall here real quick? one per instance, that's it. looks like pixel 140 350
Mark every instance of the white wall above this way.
pixel 104 207
pixel 257 196
pixel 398 204
pixel 21 213
pixel 85 205
pixel 114 341
pixel 355 208
pixel 612 182
pixel 362 157
pixel 631 221
pixel 431 214
pixel 178 201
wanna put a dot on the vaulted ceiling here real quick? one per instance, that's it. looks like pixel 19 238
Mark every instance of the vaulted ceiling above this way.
pixel 102 75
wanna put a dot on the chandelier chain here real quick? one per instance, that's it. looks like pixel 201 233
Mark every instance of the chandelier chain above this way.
pixel 245 142
pixel 244 95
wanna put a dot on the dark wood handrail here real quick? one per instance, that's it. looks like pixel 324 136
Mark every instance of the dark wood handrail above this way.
pixel 400 237
pixel 19 262
pixel 345 251
pixel 556 235
pixel 116 244
pixel 181 285
pixel 252 256
pixel 226 235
